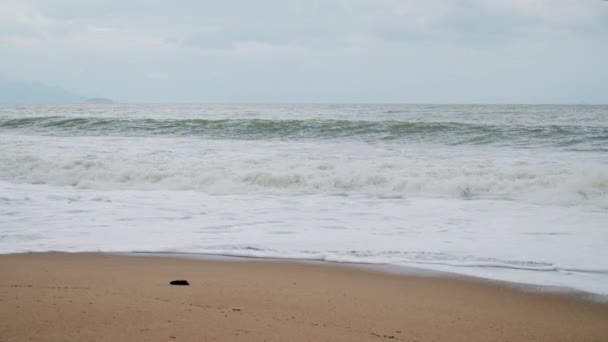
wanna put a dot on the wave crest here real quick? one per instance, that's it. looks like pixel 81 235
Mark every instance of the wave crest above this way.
pixel 450 133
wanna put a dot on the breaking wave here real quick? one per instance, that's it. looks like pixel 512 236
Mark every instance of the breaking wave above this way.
pixel 574 137
pixel 227 173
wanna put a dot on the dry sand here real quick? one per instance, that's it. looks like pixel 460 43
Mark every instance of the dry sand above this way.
pixel 96 297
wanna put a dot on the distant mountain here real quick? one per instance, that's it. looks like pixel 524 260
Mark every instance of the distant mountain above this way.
pixel 37 93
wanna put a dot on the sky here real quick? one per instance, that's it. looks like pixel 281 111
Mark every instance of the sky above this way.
pixel 330 51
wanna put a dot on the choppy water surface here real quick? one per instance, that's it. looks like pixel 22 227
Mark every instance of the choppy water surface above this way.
pixel 506 192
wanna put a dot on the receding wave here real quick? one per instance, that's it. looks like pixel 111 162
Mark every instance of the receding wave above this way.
pixel 574 137
pixel 379 257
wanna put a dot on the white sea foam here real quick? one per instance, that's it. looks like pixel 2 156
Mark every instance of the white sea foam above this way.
pixel 222 167
pixel 535 215
pixel 495 239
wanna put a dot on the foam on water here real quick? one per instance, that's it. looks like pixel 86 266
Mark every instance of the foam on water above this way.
pixel 495 239
pixel 236 167
pixel 530 211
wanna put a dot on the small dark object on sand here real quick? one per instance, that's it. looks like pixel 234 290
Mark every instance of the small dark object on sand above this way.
pixel 180 282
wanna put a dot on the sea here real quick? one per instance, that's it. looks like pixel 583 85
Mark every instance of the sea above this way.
pixel 515 193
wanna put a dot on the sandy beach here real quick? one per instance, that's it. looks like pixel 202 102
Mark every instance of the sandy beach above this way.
pixel 99 297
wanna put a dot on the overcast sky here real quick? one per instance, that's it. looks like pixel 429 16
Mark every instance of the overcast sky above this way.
pixel 397 51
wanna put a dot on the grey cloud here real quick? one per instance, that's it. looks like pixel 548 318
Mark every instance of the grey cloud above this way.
pixel 473 23
pixel 294 50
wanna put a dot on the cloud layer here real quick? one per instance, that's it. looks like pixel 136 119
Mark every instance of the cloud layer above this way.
pixel 311 51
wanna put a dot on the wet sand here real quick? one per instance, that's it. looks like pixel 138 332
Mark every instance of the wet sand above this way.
pixel 100 297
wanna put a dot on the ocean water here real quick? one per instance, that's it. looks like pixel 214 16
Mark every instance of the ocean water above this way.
pixel 517 193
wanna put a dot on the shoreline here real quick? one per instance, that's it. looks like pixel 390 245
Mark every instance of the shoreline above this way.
pixel 102 296
pixel 398 270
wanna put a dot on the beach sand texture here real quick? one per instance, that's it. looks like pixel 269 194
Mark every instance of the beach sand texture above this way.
pixel 99 297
